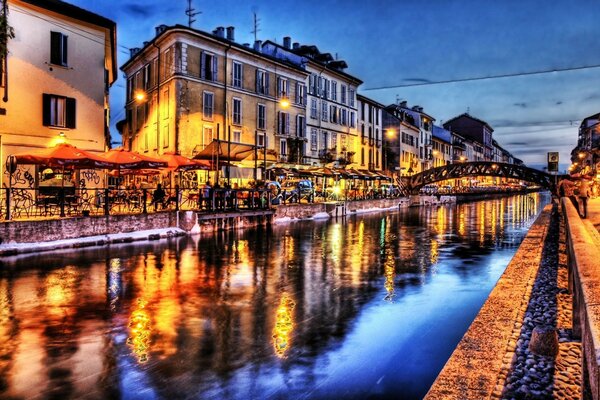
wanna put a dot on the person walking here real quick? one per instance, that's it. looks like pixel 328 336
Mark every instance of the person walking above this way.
pixel 584 193
pixel 566 188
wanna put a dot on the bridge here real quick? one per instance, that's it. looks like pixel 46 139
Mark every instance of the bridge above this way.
pixel 413 183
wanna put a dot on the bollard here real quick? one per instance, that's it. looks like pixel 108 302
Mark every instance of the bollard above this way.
pixel 544 341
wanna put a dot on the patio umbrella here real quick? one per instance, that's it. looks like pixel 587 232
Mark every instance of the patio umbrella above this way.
pixel 124 159
pixel 177 162
pixel 63 155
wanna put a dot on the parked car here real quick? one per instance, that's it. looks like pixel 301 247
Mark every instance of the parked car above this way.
pixel 296 190
pixel 389 190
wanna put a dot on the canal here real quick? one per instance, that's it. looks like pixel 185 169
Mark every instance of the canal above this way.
pixel 371 307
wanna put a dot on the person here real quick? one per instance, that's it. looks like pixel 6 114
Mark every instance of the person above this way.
pixel 566 188
pixel 584 193
pixel 158 197
pixel 206 195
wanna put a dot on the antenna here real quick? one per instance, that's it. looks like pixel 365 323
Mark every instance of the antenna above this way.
pixel 191 12
pixel 468 109
pixel 256 25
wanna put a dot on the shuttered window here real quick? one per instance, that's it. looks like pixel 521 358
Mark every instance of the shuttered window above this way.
pixel 58 49
pixel 58 111
pixel 208 66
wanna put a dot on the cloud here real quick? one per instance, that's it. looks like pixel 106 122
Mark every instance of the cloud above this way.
pixel 417 80
pixel 522 105
pixel 139 10
pixel 593 96
pixel 558 103
pixel 517 144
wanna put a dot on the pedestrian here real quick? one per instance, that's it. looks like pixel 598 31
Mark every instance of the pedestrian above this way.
pixel 584 193
pixel 206 195
pixel 158 197
pixel 566 188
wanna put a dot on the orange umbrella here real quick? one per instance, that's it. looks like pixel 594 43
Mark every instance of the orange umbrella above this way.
pixel 177 162
pixel 131 160
pixel 64 155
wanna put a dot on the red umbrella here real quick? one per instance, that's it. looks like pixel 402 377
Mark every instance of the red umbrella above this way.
pixel 124 159
pixel 178 162
pixel 64 155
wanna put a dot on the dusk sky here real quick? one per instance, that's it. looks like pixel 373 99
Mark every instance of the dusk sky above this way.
pixel 394 43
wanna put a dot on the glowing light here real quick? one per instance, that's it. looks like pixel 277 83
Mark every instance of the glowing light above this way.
pixel 581 155
pixel 390 275
pixel 284 326
pixel 390 133
pixel 140 96
pixel 284 102
pixel 140 330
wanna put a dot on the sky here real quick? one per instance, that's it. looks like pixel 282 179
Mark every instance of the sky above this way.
pixel 541 58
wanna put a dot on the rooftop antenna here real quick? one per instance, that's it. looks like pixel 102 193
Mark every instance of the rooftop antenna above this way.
pixel 468 109
pixel 191 13
pixel 256 25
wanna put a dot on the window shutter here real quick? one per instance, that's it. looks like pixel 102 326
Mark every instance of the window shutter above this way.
pixel 46 109
pixel 64 50
pixel 256 76
pixel 55 42
pixel 287 123
pixel 202 65
pixel 267 83
pixel 70 120
pixel 278 121
pixel 214 70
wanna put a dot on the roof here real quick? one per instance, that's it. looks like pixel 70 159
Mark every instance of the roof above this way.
pixel 226 151
pixel 441 134
pixel 365 99
pixel 69 10
pixel 467 115
pixel 211 36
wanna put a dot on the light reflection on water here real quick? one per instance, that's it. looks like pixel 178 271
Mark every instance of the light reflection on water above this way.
pixel 371 307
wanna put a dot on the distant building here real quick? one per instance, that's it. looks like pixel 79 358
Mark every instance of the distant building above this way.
pixel 370 127
pixel 588 142
pixel 54 82
pixel 441 147
pixel 480 132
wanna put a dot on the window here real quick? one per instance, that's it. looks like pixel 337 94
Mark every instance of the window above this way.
pixel 343 142
pixel 352 119
pixel 165 135
pixel 324 140
pixel 260 140
pixel 262 82
pixel 261 117
pixel 237 74
pixel 351 93
pixel 333 140
pixel 300 94
pixel 237 111
pixel 147 76
pixel 237 136
pixel 130 89
pixel 300 126
pixel 313 139
pixel 343 94
pixel 58 111
pixel 208 105
pixel 207 135
pixel 362 156
pixel 283 147
pixel 208 66
pixel 314 85
pixel 324 111
pixel 333 117
pixel 313 108
pixel 283 123
pixel 334 90
pixel 282 87
pixel 166 105
pixel 58 49
pixel 344 117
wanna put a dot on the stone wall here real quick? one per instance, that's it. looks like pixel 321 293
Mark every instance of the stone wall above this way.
pixel 584 282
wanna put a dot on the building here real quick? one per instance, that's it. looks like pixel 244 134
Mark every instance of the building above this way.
pixel 54 82
pixel 587 151
pixel 441 153
pixel 480 132
pixel 331 105
pixel 370 126
pixel 413 145
pixel 206 96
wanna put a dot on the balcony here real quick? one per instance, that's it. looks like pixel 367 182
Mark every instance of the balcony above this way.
pixel 282 158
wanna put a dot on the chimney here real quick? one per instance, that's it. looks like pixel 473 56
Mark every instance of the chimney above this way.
pixel 415 108
pixel 420 109
pixel 220 32
pixel 287 42
pixel 231 33
pixel 296 46
pixel 404 104
pixel 146 44
pixel 246 45
pixel 257 45
pixel 160 29
pixel 133 51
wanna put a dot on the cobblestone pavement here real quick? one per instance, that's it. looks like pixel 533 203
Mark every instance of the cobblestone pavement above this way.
pixel 534 376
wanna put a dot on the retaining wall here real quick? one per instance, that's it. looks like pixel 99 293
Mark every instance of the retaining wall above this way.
pixel 584 283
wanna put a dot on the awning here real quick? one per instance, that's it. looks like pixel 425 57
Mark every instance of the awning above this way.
pixel 225 151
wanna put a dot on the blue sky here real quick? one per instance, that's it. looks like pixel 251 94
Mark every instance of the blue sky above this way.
pixel 391 44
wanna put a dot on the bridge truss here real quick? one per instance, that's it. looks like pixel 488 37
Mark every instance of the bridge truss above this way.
pixel 478 168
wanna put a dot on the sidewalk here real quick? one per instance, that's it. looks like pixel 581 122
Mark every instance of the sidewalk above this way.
pixel 594 212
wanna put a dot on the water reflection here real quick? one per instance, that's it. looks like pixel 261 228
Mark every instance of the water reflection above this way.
pixel 371 307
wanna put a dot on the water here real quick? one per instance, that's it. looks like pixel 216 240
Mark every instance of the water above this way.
pixel 369 308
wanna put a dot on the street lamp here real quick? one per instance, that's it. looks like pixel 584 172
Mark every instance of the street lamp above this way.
pixel 140 96
pixel 284 101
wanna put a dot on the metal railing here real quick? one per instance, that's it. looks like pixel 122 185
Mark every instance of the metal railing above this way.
pixel 28 203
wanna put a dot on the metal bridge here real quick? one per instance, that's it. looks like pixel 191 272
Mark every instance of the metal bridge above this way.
pixel 412 184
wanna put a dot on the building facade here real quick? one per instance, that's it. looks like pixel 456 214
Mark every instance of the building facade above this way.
pixel 55 79
pixel 370 126
pixel 206 96
pixel 480 132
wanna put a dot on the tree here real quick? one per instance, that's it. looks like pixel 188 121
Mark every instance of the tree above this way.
pixel 6 31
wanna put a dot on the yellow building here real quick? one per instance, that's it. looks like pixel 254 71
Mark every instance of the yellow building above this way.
pixel 203 95
pixel 54 81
